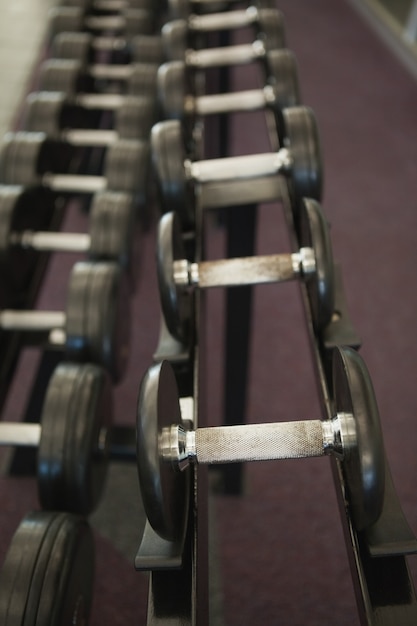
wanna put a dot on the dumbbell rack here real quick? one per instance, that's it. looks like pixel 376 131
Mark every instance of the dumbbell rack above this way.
pixel 373 585
pixel 388 541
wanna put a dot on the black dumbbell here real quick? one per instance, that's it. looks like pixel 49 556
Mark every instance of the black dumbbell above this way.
pixel 31 159
pixel 299 160
pixel 83 47
pixel 164 446
pixel 128 21
pixel 96 324
pixel 313 263
pixel 48 572
pixel 110 238
pixel 177 46
pixel 177 101
pixel 72 77
pixel 55 114
pixel 72 438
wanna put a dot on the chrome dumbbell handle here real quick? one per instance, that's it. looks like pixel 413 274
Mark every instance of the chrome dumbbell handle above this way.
pixel 20 434
pixel 245 271
pixel 74 182
pixel 258 442
pixel 108 101
pixel 250 100
pixel 32 320
pixel 93 138
pixel 241 167
pixel 52 241
pixel 233 55
pixel 227 20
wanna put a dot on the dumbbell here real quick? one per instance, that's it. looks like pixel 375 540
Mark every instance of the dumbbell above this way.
pixel 128 21
pixel 30 159
pixel 110 237
pixel 299 160
pixel 96 323
pixel 165 448
pixel 71 440
pixel 53 113
pixel 72 77
pixel 48 573
pixel 313 263
pixel 83 47
pixel 178 102
pixel 177 46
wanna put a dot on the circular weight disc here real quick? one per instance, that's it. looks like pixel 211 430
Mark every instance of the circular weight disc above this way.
pixel 71 469
pixel 302 140
pixel 112 231
pixel 142 80
pixel 179 9
pixel 164 490
pixel 60 75
pixel 72 45
pixel 108 318
pixel 135 118
pixel 65 20
pixel 98 316
pixel 43 113
pixel 19 159
pixel 174 302
pixel 126 168
pixel 56 414
pixel 272 28
pixel 320 287
pixel 168 156
pixel 171 90
pixel 139 21
pixel 283 78
pixel 146 49
pixel 364 464
pixel 47 543
pixel 174 40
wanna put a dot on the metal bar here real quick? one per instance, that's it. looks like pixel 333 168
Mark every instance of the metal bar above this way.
pixel 31 321
pixel 223 21
pixel 53 242
pixel 110 72
pixel 249 100
pixel 92 138
pixel 105 22
pixel 108 101
pixel 254 270
pixel 232 55
pixel 74 183
pixel 241 167
pixel 19 434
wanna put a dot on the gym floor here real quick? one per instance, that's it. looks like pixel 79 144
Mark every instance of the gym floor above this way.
pixel 258 570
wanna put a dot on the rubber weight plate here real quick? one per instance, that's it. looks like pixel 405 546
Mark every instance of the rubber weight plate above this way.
pixel 164 491
pixel 43 113
pixel 72 45
pixel 98 316
pixel 47 576
pixel 320 287
pixel 175 40
pixel 61 75
pixel 136 117
pixel 146 49
pixel 73 456
pixel 112 228
pixel 271 28
pixel 175 303
pixel 302 140
pixel 283 78
pixel 363 464
pixel 142 81
pixel 168 156
pixel 126 168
